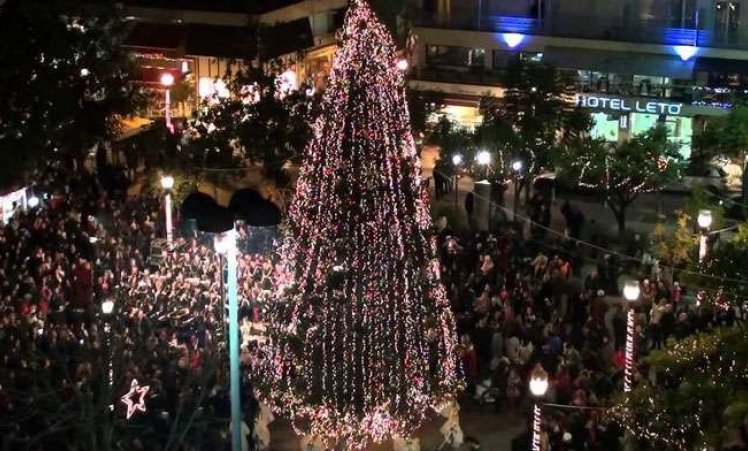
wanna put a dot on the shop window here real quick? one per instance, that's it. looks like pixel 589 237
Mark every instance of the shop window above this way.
pixel 531 57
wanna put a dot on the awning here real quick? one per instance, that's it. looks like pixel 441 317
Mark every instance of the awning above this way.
pixel 618 62
pixel 722 66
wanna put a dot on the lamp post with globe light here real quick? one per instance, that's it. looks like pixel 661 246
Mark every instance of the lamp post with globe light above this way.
pixel 33 202
pixel 538 388
pixel 704 220
pixel 167 81
pixel 631 292
pixel 107 308
pixel 483 159
pixel 516 175
pixel 167 183
pixel 225 245
pixel 457 162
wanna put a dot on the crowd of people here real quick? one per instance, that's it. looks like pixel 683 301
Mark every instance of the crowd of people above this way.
pixel 519 302
pixel 59 262
pixel 523 302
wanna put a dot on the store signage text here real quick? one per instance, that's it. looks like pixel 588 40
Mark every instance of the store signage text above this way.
pixel 637 106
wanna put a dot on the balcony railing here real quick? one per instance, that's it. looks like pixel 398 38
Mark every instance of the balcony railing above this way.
pixel 688 94
pixel 592 27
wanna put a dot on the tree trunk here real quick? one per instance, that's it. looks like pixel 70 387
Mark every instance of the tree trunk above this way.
pixel 620 213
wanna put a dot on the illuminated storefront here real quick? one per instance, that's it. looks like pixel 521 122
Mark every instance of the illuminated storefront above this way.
pixel 617 118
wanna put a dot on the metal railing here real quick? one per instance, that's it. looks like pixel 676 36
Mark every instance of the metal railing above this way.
pixel 591 27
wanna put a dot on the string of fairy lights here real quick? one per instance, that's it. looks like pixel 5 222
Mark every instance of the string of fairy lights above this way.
pixel 363 339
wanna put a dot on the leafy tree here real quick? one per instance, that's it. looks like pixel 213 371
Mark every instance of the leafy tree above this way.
pixel 721 276
pixel 258 124
pixel 701 397
pixel 64 80
pixel 676 249
pixel 619 173
pixel 532 111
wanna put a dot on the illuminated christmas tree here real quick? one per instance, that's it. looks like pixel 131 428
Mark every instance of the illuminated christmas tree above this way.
pixel 363 340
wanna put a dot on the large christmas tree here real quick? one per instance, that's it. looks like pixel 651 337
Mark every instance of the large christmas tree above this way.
pixel 363 339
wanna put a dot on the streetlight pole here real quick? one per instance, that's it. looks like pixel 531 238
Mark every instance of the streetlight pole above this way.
pixel 538 388
pixel 167 183
pixel 457 162
pixel 705 220
pixel 225 244
pixel 107 307
pixel 167 81
pixel 516 171
pixel 631 292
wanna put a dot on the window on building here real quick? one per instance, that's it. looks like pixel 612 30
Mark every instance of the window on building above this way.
pixel 726 17
pixel 439 55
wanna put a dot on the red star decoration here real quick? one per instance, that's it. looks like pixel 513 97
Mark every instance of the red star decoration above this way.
pixel 136 393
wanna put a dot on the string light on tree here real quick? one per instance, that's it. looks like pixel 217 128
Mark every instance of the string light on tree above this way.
pixel 362 339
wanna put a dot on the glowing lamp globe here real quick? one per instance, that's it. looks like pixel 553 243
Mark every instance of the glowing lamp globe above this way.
pixel 402 65
pixel 107 307
pixel 85 72
pixel 457 159
pixel 538 381
pixel 167 182
pixel 167 79
pixel 225 243
pixel 631 290
pixel 705 219
pixel 483 158
pixel 517 166
pixel 33 202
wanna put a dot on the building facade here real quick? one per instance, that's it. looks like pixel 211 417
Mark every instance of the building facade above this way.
pixel 635 63
pixel 197 42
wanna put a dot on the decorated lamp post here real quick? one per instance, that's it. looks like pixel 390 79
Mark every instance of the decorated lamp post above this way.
pixel 107 308
pixel 225 245
pixel 167 183
pixel 167 81
pixel 538 388
pixel 705 220
pixel 457 162
pixel 631 292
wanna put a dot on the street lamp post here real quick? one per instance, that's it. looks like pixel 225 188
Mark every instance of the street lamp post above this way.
pixel 457 162
pixel 538 388
pixel 631 292
pixel 516 171
pixel 107 307
pixel 225 245
pixel 167 183
pixel 167 81
pixel 483 159
pixel 705 220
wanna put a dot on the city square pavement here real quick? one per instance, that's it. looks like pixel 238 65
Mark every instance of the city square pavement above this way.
pixel 494 431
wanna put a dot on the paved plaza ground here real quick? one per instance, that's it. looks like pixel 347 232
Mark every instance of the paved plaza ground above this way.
pixel 494 431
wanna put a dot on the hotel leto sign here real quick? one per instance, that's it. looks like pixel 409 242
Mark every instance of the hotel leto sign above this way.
pixel 630 105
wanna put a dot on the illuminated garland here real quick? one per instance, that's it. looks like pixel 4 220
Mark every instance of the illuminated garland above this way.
pixel 363 341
